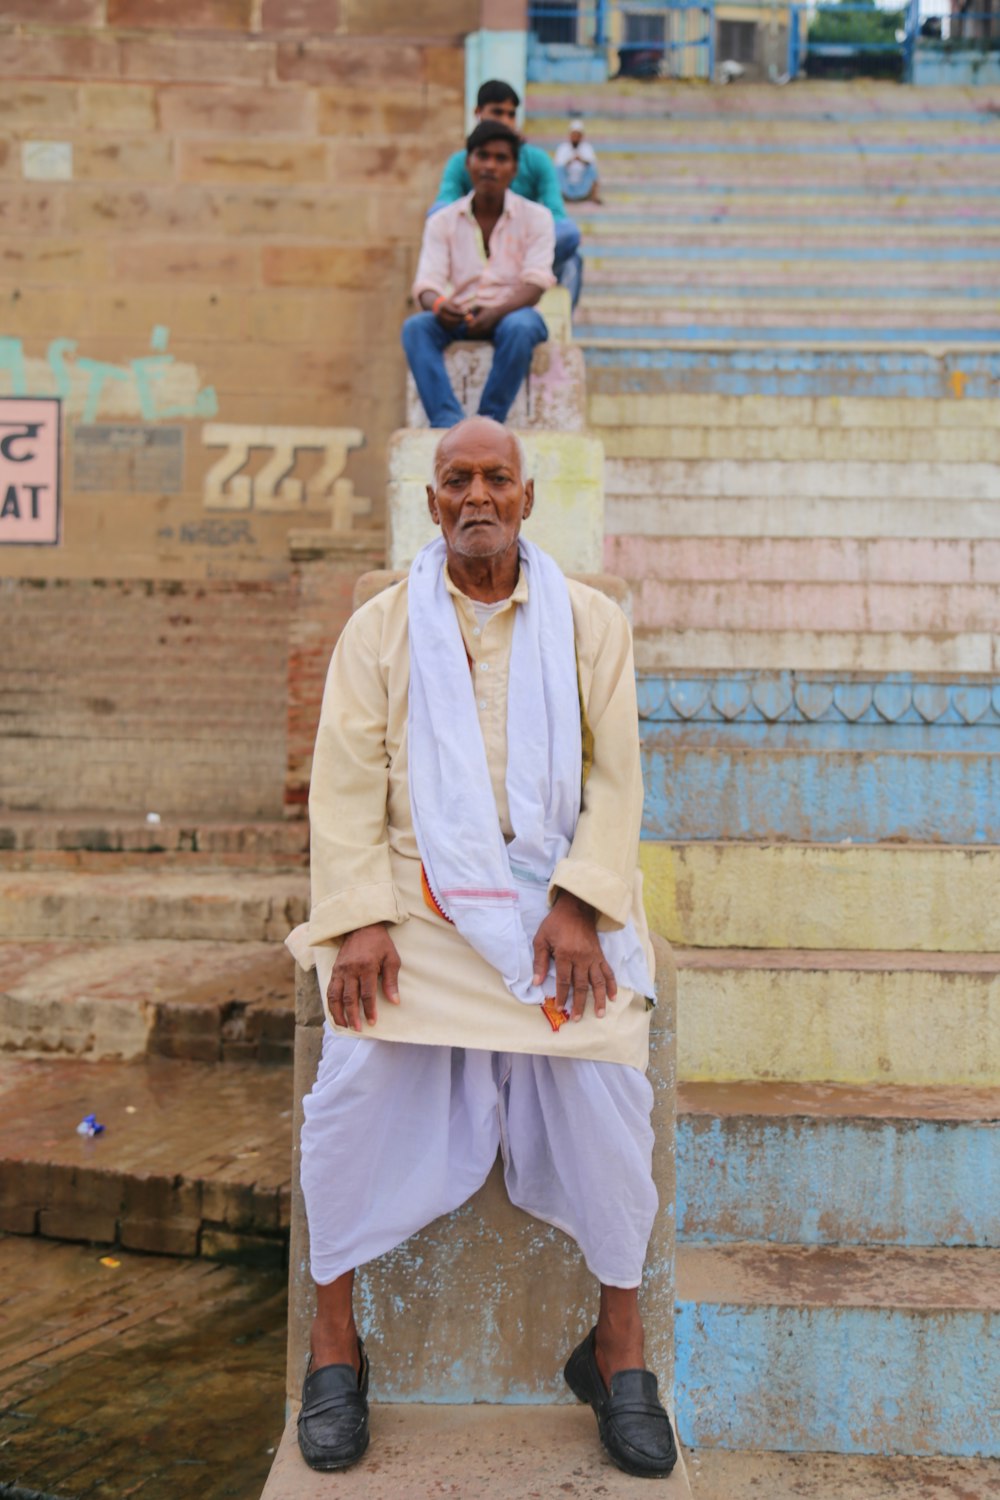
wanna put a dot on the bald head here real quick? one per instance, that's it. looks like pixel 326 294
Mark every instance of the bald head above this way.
pixel 478 430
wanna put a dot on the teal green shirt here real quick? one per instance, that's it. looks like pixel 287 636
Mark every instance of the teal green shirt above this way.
pixel 536 179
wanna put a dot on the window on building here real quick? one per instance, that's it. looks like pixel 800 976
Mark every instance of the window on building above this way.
pixel 553 20
pixel 737 41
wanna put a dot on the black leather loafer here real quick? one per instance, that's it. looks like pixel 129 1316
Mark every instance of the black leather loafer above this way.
pixel 333 1419
pixel 632 1424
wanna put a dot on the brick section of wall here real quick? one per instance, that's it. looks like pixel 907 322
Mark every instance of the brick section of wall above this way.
pixel 246 194
pixel 144 697
pixel 323 592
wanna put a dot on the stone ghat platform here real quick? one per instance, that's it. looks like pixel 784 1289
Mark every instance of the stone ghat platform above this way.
pixel 507 1453
pixel 193 1160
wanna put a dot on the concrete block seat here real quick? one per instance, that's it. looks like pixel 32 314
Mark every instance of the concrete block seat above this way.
pixel 553 397
pixel 485 1304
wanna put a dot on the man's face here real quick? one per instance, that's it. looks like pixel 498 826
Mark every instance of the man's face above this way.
pixel 506 113
pixel 575 137
pixel 492 167
pixel 479 497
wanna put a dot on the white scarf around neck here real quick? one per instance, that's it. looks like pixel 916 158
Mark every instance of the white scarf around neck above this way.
pixel 495 892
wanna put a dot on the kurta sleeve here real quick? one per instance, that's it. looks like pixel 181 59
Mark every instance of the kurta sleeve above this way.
pixel 352 883
pixel 601 864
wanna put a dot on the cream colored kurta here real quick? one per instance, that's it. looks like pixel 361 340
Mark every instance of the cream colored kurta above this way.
pixel 365 861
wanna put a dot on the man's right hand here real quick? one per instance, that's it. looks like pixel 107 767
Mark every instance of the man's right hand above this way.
pixel 364 955
pixel 450 314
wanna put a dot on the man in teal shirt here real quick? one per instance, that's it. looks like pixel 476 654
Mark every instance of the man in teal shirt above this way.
pixel 536 179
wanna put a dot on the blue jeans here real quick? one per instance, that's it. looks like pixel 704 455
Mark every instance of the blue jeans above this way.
pixel 514 339
pixel 567 263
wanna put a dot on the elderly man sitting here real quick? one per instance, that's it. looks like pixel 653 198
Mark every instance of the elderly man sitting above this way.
pixel 485 261
pixel 478 926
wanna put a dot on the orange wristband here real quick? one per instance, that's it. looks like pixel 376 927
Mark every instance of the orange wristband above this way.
pixel 438 301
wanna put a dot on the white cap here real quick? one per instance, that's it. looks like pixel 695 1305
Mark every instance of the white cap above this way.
pixel 576 124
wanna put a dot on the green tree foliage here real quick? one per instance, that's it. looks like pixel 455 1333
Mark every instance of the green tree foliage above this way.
pixel 857 23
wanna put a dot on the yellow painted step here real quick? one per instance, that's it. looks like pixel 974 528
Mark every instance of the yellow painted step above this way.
pixel 878 897
pixel 910 1019
pixel 800 412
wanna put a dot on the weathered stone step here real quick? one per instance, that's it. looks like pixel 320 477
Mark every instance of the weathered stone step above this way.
pixel 951 486
pixel 203 1002
pixel 855 103
pixel 106 840
pixel 624 264
pixel 660 410
pixel 826 1164
pixel 879 897
pixel 902 561
pixel 843 1350
pixel 709 783
pixel 506 1452
pixel 751 129
pixel 918 608
pixel 670 650
pixel 208 905
pixel 193 1160
pixel 773 313
pixel 928 1020
pixel 656 367
pixel 783 516
pixel 802 444
pixel 717 1475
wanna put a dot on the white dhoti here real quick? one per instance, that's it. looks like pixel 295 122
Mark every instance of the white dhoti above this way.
pixel 397 1134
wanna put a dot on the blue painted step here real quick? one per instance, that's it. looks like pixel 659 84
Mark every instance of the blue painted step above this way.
pixel 820 758
pixel 802 371
pixel 838 1350
pixel 824 1165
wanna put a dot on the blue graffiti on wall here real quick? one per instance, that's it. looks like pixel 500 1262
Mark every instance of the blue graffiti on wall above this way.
pixel 143 373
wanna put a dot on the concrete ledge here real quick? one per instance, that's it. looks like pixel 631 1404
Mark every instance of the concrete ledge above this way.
pixel 425 1452
pixel 486 1303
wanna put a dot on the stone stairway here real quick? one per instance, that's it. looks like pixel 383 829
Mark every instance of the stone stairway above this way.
pixel 142 981
pixel 789 321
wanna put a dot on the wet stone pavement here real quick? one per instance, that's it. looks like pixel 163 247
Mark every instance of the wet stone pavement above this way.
pixel 123 1374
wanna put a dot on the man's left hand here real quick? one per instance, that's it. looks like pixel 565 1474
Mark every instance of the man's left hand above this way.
pixel 481 322
pixel 569 936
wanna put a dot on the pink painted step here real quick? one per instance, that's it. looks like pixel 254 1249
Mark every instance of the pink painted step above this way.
pixel 923 609
pixel 823 560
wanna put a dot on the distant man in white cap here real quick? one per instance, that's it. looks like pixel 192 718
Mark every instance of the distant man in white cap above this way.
pixel 576 167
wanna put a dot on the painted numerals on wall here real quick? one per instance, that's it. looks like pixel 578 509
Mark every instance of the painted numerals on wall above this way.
pixel 236 482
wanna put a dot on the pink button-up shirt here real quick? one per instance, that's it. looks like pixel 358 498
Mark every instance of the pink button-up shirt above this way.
pixel 453 258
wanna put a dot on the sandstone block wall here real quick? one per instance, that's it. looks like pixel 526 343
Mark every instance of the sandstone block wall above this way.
pixel 213 211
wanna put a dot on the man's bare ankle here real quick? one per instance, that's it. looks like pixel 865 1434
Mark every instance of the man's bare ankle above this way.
pixel 335 1347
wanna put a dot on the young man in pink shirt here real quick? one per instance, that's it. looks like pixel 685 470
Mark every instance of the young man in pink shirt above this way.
pixel 484 263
